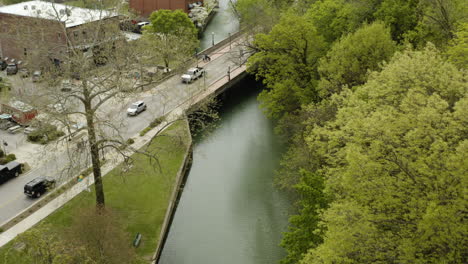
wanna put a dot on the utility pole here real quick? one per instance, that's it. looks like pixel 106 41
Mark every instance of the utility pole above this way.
pixel 212 38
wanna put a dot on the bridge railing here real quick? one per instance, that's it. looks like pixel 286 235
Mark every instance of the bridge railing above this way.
pixel 221 43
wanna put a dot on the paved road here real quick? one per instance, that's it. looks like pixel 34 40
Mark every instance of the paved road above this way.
pixel 160 100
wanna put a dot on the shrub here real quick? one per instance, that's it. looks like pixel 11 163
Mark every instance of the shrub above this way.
pixel 10 157
pixel 2 153
pixel 144 131
pixel 130 141
pixel 156 122
pixel 45 134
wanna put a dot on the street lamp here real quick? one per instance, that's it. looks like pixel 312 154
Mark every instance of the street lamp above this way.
pixel 212 38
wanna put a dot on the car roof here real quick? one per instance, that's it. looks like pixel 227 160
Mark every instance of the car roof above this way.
pixel 35 181
pixel 138 102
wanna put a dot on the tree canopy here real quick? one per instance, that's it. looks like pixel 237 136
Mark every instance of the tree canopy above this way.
pixel 376 140
pixel 286 61
pixel 347 62
pixel 171 35
pixel 395 166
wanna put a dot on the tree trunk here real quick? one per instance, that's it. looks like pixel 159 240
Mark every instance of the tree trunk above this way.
pixel 94 150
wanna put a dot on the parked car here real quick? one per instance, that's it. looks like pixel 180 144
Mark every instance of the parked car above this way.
pixel 5 124
pixel 29 130
pixel 57 108
pixel 3 65
pixel 36 77
pixel 66 86
pixel 10 170
pixel 136 108
pixel 12 69
pixel 193 74
pixel 14 129
pixel 23 73
pixel 139 27
pixel 38 187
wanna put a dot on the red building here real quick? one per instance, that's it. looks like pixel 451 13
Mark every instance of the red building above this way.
pixel 146 7
pixel 19 111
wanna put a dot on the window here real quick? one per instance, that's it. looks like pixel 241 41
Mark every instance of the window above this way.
pixel 84 34
pixel 59 36
pixel 25 52
pixel 76 34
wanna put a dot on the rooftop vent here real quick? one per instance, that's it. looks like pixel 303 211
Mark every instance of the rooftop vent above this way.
pixel 25 7
pixel 33 7
pixel 62 12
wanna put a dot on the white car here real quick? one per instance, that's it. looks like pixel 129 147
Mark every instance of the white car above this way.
pixel 136 108
pixel 192 74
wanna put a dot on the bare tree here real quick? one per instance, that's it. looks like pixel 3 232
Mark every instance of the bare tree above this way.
pixel 90 75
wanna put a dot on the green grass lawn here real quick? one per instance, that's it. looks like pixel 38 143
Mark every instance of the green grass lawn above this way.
pixel 139 197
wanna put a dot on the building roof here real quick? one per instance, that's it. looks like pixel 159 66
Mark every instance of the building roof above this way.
pixel 70 15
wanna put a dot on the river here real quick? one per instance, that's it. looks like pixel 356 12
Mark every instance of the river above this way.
pixel 229 211
pixel 223 23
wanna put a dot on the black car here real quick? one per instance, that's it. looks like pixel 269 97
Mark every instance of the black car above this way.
pixel 38 187
pixel 3 64
pixel 10 170
pixel 12 69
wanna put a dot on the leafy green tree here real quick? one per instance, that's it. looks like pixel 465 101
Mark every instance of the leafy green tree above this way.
pixel 438 20
pixel 286 60
pixel 458 49
pixel 172 35
pixel 257 15
pixel 350 58
pixel 301 233
pixel 334 18
pixel 395 166
pixel 401 16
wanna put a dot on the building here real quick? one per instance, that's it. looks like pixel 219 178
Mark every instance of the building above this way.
pixel 38 29
pixel 20 112
pixel 146 7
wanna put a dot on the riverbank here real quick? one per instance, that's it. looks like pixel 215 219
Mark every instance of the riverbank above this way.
pixel 140 198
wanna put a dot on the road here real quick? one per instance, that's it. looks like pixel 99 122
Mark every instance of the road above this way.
pixel 160 100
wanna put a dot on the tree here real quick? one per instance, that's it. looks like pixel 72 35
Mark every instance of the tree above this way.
pixel 172 35
pixel 101 71
pixel 394 166
pixel 347 62
pixel 437 22
pixel 302 235
pixel 458 48
pixel 257 15
pixel 286 61
pixel 334 18
pixel 401 16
